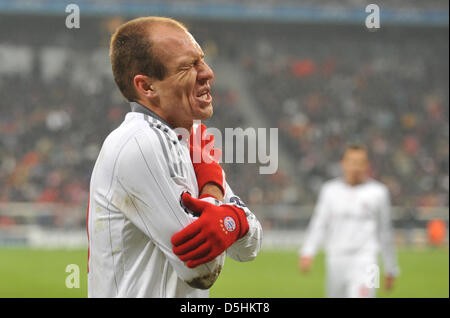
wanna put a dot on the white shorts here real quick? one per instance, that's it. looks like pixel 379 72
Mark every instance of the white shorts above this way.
pixel 352 276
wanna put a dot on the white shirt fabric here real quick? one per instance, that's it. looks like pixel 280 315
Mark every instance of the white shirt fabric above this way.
pixel 353 221
pixel 134 210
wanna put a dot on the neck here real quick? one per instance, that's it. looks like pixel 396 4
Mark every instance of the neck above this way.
pixel 354 182
pixel 186 125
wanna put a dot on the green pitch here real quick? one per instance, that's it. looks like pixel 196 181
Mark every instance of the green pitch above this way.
pixel 42 273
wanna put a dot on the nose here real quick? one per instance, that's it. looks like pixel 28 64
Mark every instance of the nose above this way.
pixel 205 73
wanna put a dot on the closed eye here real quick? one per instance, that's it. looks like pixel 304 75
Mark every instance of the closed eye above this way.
pixel 192 63
pixel 185 67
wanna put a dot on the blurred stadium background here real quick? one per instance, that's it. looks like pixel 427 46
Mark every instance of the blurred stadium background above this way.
pixel 310 68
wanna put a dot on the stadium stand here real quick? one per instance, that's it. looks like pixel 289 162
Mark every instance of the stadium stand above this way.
pixel 320 88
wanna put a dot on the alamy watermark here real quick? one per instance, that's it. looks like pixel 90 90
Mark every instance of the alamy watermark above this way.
pixel 73 279
pixel 373 18
pixel 236 145
pixel 73 19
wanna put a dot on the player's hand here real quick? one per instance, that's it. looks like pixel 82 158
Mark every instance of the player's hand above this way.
pixel 205 159
pixel 389 282
pixel 217 228
pixel 305 264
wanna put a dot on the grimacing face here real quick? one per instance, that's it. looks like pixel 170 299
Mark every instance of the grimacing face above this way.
pixel 184 94
pixel 355 166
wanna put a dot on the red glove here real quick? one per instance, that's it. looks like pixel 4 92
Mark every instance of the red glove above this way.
pixel 217 228
pixel 205 159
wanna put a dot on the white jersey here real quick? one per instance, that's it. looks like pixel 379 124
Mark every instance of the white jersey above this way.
pixel 134 209
pixel 353 220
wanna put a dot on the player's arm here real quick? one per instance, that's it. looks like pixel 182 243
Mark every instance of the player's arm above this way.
pixel 315 233
pixel 144 181
pixel 211 189
pixel 248 247
pixel 222 227
pixel 242 238
pixel 385 236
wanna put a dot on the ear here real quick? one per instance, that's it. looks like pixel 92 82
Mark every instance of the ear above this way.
pixel 144 86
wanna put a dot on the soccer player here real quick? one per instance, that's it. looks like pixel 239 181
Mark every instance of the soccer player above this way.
pixel 352 218
pixel 160 223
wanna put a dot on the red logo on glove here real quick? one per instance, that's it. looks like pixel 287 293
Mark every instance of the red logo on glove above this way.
pixel 229 224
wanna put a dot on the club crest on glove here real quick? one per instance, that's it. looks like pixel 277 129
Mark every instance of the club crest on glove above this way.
pixel 228 224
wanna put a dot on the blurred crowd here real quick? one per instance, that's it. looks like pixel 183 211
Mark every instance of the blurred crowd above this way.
pixel 346 4
pixel 322 86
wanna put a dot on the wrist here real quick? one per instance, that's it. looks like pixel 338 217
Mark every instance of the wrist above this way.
pixel 211 189
pixel 210 198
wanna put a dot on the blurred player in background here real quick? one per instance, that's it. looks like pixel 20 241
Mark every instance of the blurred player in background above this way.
pixel 353 220
pixel 157 226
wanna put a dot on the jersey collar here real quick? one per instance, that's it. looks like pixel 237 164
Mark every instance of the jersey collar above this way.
pixel 162 125
pixel 139 108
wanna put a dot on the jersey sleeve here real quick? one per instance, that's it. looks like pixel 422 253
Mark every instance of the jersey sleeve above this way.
pixel 145 181
pixel 385 235
pixel 246 248
pixel 317 226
